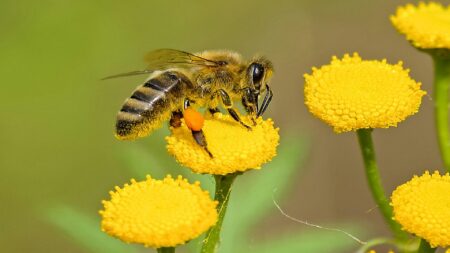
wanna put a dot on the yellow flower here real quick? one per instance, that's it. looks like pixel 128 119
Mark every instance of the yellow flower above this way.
pixel 426 25
pixel 352 94
pixel 234 148
pixel 158 213
pixel 373 251
pixel 422 207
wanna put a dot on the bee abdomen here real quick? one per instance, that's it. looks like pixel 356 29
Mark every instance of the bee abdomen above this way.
pixel 135 106
pixel 150 105
pixel 156 84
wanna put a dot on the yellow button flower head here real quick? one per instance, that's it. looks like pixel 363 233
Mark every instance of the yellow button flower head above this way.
pixel 352 94
pixel 426 25
pixel 422 207
pixel 158 213
pixel 234 148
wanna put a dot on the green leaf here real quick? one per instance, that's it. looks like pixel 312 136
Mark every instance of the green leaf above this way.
pixel 258 190
pixel 150 157
pixel 194 246
pixel 251 199
pixel 141 162
pixel 85 231
pixel 154 160
pixel 319 240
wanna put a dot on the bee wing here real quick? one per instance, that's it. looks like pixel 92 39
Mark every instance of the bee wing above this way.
pixel 132 73
pixel 163 59
pixel 169 58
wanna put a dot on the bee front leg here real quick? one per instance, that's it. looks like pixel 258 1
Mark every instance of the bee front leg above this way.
pixel 229 106
pixel 250 103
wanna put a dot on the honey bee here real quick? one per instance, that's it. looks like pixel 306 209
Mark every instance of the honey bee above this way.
pixel 179 80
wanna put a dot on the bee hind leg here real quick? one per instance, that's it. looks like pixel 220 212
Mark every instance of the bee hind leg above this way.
pixel 199 137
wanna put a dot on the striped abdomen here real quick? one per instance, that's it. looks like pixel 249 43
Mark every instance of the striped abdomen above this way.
pixel 150 105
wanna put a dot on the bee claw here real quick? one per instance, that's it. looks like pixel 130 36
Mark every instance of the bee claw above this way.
pixel 249 128
pixel 213 111
pixel 209 153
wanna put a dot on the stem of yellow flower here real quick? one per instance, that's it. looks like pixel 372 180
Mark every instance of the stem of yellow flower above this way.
pixel 441 86
pixel 374 181
pixel 425 247
pixel 222 195
pixel 166 250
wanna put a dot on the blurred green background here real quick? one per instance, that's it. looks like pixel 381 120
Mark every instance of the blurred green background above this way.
pixel 57 117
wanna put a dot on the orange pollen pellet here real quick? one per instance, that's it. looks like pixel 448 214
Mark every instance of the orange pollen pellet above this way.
pixel 193 119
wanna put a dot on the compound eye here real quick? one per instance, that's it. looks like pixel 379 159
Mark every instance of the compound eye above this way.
pixel 258 72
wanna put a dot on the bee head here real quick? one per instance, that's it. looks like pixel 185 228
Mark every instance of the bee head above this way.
pixel 258 73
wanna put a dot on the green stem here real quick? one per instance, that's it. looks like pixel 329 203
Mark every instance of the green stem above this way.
pixel 425 247
pixel 441 86
pixel 409 246
pixel 374 180
pixel 375 242
pixel 222 195
pixel 166 250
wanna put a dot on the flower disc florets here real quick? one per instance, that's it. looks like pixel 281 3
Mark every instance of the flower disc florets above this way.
pixel 352 94
pixel 234 147
pixel 158 213
pixel 422 207
pixel 426 26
